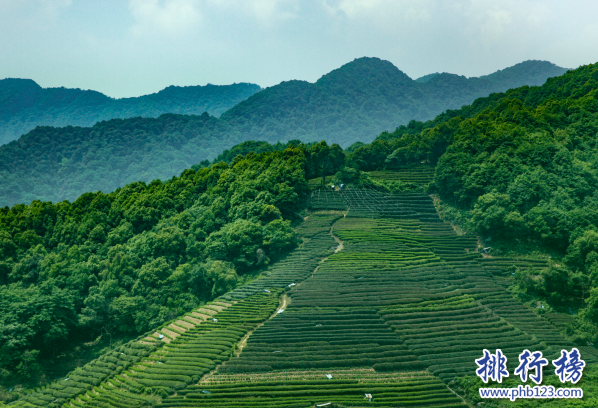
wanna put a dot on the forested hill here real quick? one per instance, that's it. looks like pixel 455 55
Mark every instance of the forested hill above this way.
pixel 517 171
pixel 122 263
pixel 24 104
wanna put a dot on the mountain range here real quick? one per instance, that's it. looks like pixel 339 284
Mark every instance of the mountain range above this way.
pixel 353 103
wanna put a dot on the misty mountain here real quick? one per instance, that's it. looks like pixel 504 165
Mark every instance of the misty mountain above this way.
pixel 25 105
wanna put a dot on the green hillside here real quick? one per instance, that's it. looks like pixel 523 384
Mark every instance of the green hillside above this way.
pixel 24 104
pixel 398 307
pixel 353 103
pixel 365 97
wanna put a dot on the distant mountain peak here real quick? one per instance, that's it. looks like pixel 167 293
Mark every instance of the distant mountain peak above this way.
pixel 426 78
pixel 353 103
pixel 368 70
pixel 24 104
pixel 17 94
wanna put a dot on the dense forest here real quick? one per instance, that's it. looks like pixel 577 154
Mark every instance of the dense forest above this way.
pixel 24 104
pixel 520 169
pixel 124 262
pixel 352 103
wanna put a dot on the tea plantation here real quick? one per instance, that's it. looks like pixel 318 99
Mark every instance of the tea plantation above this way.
pixel 381 297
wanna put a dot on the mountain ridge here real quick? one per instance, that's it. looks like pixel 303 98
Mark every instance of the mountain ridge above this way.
pixel 175 261
pixel 369 106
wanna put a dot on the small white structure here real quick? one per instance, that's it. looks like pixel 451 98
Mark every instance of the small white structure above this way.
pixel 329 376
pixel 214 320
pixel 280 311
pixel 266 290
pixel 292 284
pixel 160 336
pixel 368 397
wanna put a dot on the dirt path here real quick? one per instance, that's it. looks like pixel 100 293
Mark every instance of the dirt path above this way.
pixel 284 301
pixel 339 248
pixel 460 397
pixel 338 240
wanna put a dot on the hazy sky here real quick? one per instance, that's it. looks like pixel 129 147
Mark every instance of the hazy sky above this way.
pixel 134 47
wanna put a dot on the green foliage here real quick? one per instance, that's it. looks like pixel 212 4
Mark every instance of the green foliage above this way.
pixel 323 160
pixel 65 163
pixel 252 146
pixel 125 262
pixel 524 163
pixel 469 386
pixel 371 156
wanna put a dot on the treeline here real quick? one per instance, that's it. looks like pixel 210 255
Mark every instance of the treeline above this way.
pixel 519 168
pixel 350 104
pixel 127 261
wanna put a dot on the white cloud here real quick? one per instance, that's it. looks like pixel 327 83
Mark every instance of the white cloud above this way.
pixel 269 11
pixel 169 17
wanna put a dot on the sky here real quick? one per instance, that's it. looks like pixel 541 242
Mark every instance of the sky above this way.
pixel 127 48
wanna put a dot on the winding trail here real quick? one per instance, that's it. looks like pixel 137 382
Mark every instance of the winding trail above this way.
pixel 339 248
pixel 284 301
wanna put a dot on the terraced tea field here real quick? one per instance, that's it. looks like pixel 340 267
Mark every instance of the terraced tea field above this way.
pixel 305 389
pixel 421 175
pixel 399 309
